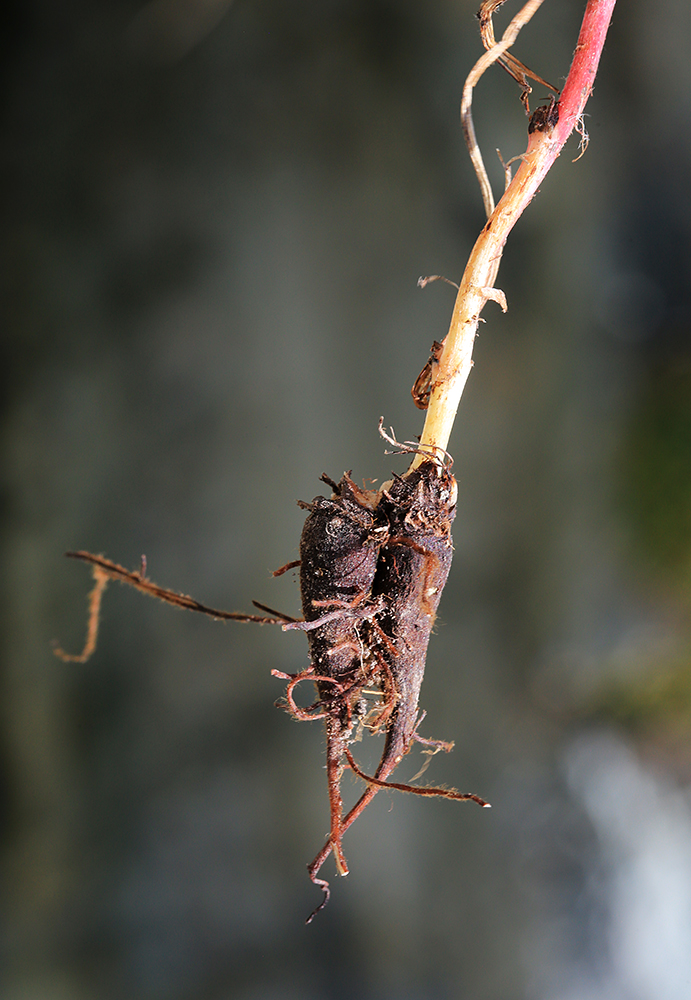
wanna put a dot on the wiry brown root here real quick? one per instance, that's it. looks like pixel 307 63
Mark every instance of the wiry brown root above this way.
pixel 444 793
pixel 95 597
pixel 104 570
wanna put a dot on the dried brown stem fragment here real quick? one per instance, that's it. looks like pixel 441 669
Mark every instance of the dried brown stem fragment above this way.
pixel 423 383
pixel 513 66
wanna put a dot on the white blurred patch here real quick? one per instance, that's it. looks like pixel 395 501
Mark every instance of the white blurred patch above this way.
pixel 643 826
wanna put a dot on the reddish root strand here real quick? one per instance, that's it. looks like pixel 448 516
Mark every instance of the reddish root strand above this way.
pixel 304 714
pixel 445 793
pixel 374 784
pixel 347 821
pixel 135 579
pixel 284 569
pixel 334 769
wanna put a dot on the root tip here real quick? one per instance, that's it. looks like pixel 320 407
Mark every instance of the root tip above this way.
pixel 324 886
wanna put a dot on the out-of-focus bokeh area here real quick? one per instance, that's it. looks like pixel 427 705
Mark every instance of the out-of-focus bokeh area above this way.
pixel 215 217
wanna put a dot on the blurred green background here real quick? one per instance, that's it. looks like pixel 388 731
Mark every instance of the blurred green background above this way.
pixel 215 215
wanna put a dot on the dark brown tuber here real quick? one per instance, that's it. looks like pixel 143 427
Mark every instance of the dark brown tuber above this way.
pixel 412 522
pixel 372 570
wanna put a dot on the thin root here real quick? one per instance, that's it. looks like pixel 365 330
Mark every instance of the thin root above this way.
pixel 324 886
pixel 279 614
pixel 284 569
pixel 506 167
pixel 95 597
pixel 104 570
pixel 424 282
pixel 304 714
pixel 433 452
pixel 445 793
pixel 585 138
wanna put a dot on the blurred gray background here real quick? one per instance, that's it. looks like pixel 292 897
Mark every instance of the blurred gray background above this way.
pixel 215 215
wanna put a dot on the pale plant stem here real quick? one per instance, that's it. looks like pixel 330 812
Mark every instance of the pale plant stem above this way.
pixel 477 284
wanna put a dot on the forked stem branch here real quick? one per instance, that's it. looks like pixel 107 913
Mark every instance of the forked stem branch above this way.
pixel 549 133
